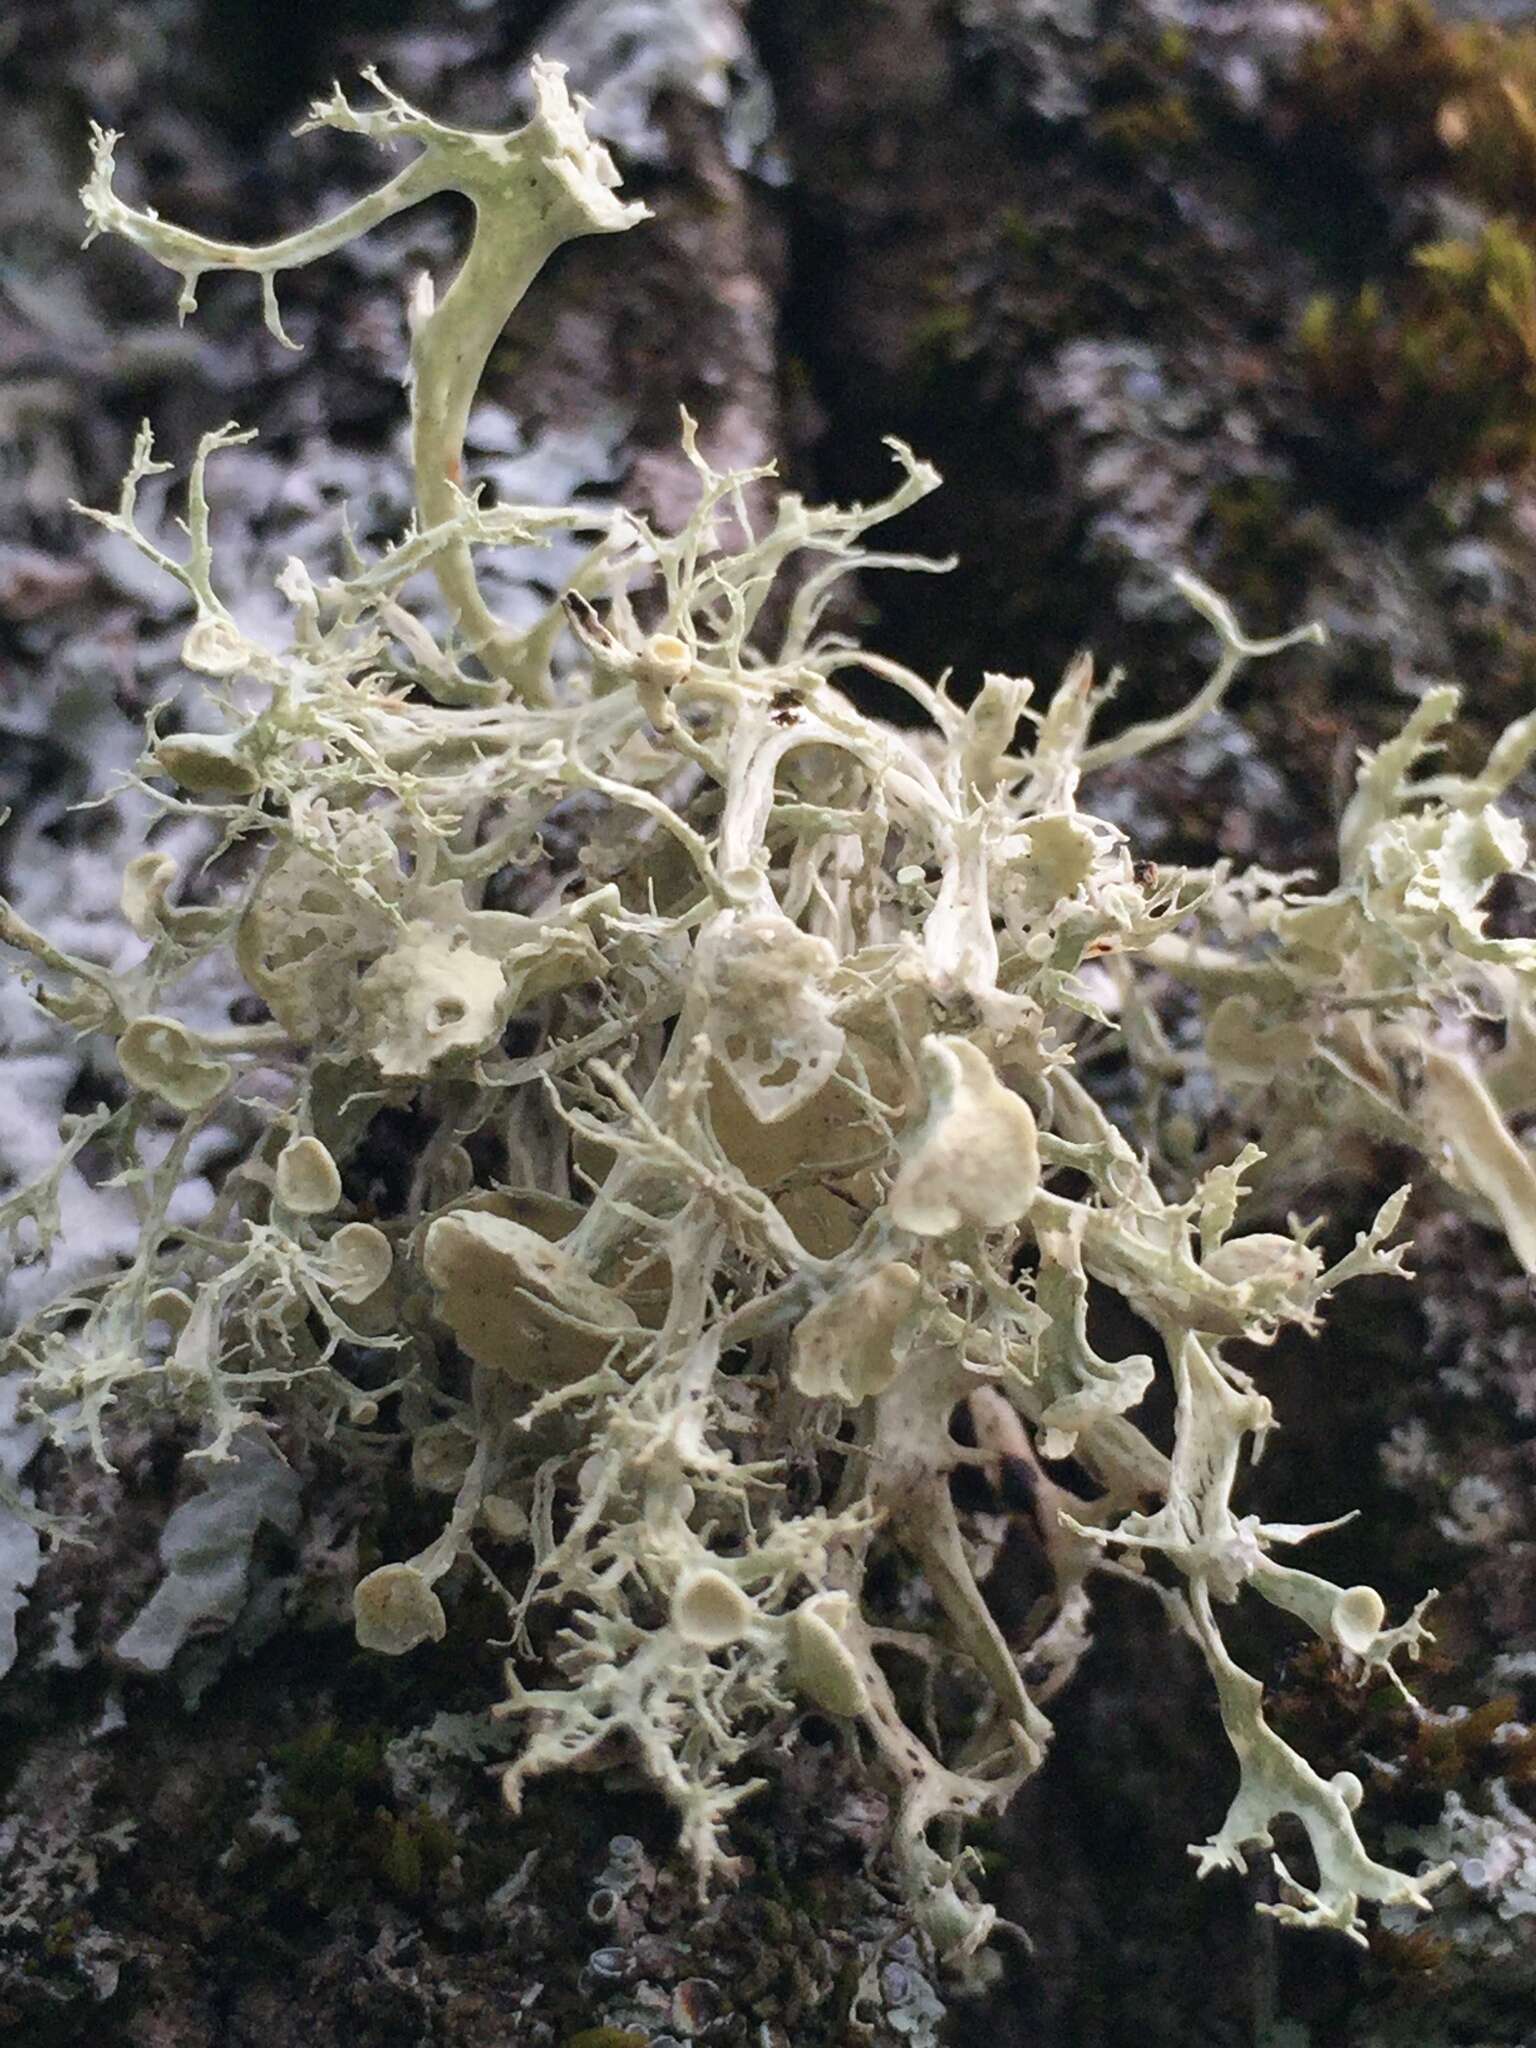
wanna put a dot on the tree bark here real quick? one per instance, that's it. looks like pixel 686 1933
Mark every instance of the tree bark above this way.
pixel 1063 248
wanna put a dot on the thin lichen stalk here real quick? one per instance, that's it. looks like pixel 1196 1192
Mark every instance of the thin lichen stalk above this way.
pixel 531 190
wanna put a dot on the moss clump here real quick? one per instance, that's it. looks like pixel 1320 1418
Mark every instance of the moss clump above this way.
pixel 336 1789
pixel 1142 106
pixel 1442 373
pixel 1408 1758
pixel 1161 123
pixel 1446 100
pixel 1433 363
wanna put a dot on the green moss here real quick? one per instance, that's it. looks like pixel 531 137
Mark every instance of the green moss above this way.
pixel 337 1791
pixel 1453 99
pixel 1410 1760
pixel 1386 63
pixel 1159 125
pixel 323 1757
pixel 1444 374
pixel 1142 107
pixel 1434 362
pixel 409 1851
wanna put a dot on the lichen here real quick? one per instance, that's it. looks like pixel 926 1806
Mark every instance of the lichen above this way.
pixel 757 1137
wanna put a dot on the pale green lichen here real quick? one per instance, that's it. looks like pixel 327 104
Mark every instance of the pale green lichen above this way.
pixel 752 1139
